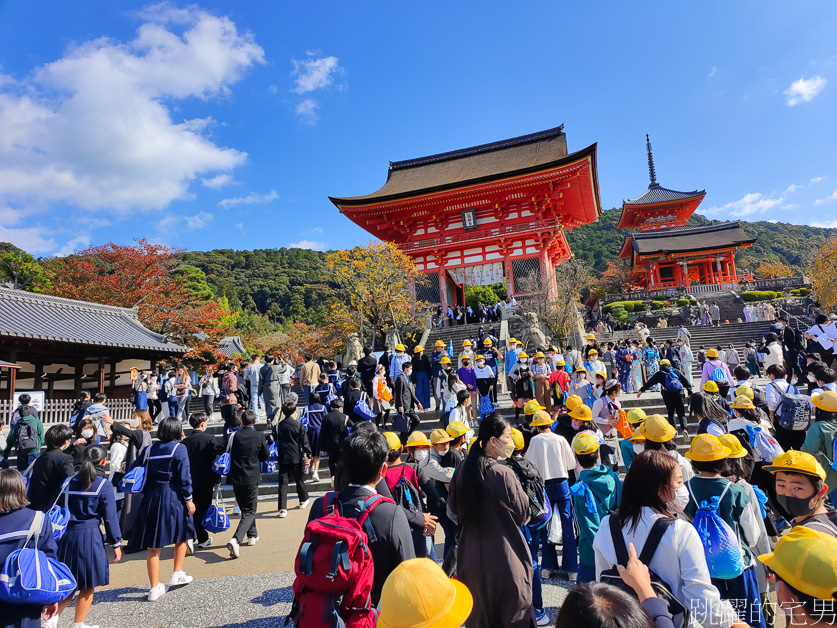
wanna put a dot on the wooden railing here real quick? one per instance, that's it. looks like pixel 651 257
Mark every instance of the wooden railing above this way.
pixel 59 410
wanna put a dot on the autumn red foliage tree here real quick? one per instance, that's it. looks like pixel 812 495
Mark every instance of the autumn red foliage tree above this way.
pixel 146 276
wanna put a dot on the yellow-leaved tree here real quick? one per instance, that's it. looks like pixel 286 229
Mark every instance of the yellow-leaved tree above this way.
pixel 774 270
pixel 823 274
pixel 376 282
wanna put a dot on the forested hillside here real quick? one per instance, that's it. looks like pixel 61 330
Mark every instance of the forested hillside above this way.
pixel 289 285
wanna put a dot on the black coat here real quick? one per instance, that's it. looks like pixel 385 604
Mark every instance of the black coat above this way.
pixel 292 441
pixel 404 395
pixel 334 431
pixel 249 448
pixel 394 542
pixel 366 368
pixel 48 474
pixel 202 449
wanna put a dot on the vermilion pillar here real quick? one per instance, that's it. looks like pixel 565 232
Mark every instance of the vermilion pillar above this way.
pixel 443 295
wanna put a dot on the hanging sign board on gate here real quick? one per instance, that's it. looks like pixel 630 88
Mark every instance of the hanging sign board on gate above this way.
pixel 480 275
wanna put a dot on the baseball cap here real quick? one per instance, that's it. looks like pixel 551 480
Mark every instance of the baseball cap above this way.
pixel 418 593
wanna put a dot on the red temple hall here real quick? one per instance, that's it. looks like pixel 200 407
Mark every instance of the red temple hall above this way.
pixel 663 252
pixel 484 214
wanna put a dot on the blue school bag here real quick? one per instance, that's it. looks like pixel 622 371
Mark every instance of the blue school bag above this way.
pixel 30 577
pixel 222 465
pixel 216 520
pixel 363 409
pixel 134 480
pixel 723 552
pixel 59 517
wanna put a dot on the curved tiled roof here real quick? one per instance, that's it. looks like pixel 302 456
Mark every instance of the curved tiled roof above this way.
pixel 725 235
pixel 43 317
pixel 658 194
pixel 467 166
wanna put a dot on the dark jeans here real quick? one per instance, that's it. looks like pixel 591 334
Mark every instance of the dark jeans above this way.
pixel 558 492
pixel 247 496
pixel 228 415
pixel 286 472
pixel 24 460
pixel 586 573
pixel 789 439
pixel 537 587
pixel 674 405
pixel 202 496
pixel 154 408
pixel 208 400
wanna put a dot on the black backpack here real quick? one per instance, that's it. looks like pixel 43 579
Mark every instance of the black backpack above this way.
pixel 27 439
pixel 611 576
pixel 405 494
pixel 533 485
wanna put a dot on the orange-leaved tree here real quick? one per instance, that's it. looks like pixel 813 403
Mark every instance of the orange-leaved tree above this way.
pixel 774 270
pixel 146 276
pixel 375 283
pixel 823 273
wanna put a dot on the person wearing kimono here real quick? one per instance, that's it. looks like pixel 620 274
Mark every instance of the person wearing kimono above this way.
pixel 636 366
pixel 623 366
pixel 686 360
pixel 651 361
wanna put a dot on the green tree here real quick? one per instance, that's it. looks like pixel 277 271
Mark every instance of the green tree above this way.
pixel 22 271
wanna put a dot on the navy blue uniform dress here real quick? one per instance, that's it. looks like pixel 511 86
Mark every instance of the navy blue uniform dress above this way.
pixel 14 526
pixel 82 548
pixel 162 519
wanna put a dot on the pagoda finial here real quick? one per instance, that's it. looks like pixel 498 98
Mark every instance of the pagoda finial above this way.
pixel 651 172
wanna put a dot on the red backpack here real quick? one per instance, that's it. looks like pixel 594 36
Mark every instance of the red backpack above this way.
pixel 334 569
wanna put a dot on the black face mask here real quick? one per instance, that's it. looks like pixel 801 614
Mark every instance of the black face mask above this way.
pixel 797 506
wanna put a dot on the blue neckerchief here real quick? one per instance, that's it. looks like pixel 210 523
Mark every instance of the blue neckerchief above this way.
pixel 580 489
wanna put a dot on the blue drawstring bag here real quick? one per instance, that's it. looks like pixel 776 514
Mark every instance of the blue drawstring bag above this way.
pixel 222 465
pixel 216 520
pixel 273 450
pixel 762 500
pixel 59 517
pixel 764 444
pixel 30 577
pixel 268 466
pixel 723 553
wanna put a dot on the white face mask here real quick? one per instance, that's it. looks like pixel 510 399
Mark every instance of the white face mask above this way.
pixel 681 497
pixel 87 433
pixel 638 449
pixel 480 364
pixel 421 455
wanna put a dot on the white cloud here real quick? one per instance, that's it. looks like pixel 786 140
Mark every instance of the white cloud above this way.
pixel 317 230
pixel 253 198
pixel 712 72
pixel 749 204
pixel 314 73
pixel 831 224
pixel 177 222
pixel 827 199
pixel 218 181
pixel 307 110
pixel 95 129
pixel 817 179
pixel 308 244
pixel 804 90
pixel 76 244
pixel 30 239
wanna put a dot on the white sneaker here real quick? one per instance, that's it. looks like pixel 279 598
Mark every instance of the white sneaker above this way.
pixel 156 592
pixel 236 510
pixel 546 573
pixel 190 547
pixel 283 513
pixel 250 541
pixel 179 578
pixel 234 548
pixel 205 544
pixel 315 478
pixel 52 622
pixel 304 504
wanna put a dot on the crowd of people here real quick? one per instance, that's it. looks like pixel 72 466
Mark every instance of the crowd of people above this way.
pixel 703 537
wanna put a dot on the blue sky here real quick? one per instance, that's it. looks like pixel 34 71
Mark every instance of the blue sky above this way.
pixel 227 125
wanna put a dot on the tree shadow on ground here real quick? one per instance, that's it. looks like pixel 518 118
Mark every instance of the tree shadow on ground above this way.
pixel 272 597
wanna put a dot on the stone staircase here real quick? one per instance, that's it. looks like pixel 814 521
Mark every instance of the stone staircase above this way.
pixel 458 334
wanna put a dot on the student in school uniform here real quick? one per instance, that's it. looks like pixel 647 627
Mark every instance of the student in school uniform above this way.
pixel 51 469
pixel 202 449
pixel 91 503
pixel 292 443
pixel 165 514
pixel 15 521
